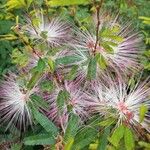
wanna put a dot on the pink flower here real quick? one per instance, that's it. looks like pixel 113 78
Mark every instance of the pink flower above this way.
pixel 119 46
pixel 54 32
pixel 14 99
pixel 118 100
pixel 75 102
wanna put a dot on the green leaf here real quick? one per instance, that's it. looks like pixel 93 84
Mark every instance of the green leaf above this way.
pixel 143 111
pixel 51 64
pixel 103 139
pixel 117 135
pixel 16 147
pixel 19 58
pixel 107 47
pixel 15 4
pixel 35 77
pixel 72 127
pixel 69 144
pixel 68 60
pixel 28 3
pixel 40 139
pixel 45 122
pixel 129 139
pixel 101 61
pixel 91 74
pixel 41 65
pixel 47 86
pixel 54 3
pixel 62 97
pixel 84 137
pixel 72 74
pixel 39 101
pixel 107 122
pixel 144 144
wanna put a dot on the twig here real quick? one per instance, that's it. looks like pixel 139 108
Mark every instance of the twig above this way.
pixel 98 24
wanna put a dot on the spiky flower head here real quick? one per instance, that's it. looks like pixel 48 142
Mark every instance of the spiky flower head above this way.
pixel 14 97
pixel 54 32
pixel 74 103
pixel 121 101
pixel 118 45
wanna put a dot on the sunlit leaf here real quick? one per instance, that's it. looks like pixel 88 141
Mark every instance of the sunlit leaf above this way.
pixel 67 2
pixel 117 135
pixel 129 139
pixel 143 111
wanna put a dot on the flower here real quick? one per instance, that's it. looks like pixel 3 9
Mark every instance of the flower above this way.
pixel 119 100
pixel 13 103
pixel 54 32
pixel 118 46
pixel 74 104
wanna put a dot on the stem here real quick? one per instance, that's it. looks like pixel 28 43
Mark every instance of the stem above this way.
pixel 98 23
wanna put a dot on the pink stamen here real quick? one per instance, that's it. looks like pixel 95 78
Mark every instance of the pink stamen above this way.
pixel 123 108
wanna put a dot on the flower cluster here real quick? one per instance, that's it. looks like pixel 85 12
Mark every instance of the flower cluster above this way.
pixel 65 63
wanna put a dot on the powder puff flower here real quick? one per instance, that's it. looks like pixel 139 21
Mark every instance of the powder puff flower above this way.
pixel 119 46
pixel 13 103
pixel 121 101
pixel 54 32
pixel 76 103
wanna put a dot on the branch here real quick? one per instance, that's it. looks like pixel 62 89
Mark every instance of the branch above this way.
pixel 98 23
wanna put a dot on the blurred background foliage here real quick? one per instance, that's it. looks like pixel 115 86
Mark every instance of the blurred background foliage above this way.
pixel 136 11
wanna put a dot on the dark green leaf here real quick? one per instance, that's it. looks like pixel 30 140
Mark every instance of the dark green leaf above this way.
pixel 91 74
pixel 103 139
pixel 16 147
pixel 62 97
pixel 39 139
pixel 47 86
pixel 72 74
pixel 71 128
pixel 84 137
pixel 68 60
pixel 39 102
pixel 45 122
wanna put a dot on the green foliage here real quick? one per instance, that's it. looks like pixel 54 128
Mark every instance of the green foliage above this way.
pixel 45 123
pixel 96 133
pixel 47 86
pixel 38 102
pixel 102 62
pixel 144 144
pixel 84 137
pixel 103 139
pixel 67 2
pixel 67 60
pixel 19 58
pixel 72 74
pixel 39 139
pixel 62 98
pixel 17 4
pixel 117 135
pixel 129 139
pixel 92 66
pixel 72 128
pixel 36 73
pixel 107 122
pixel 16 147
pixel 143 110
